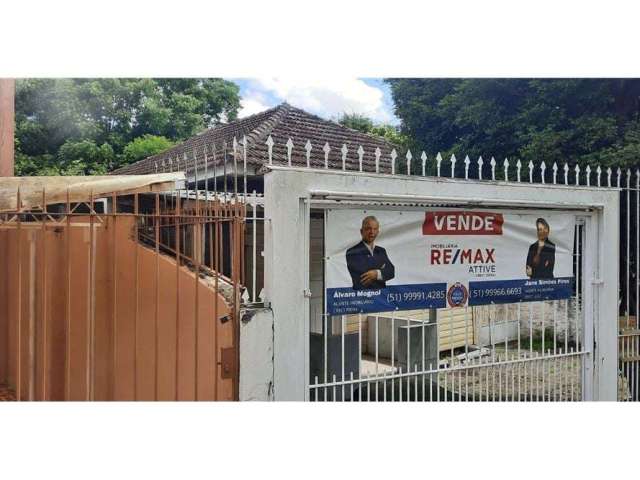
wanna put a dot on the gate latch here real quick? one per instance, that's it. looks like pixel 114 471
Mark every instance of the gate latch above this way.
pixel 228 362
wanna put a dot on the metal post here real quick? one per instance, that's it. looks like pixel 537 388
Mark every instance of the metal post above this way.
pixel 7 122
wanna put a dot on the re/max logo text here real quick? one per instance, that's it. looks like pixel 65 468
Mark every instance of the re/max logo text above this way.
pixel 450 256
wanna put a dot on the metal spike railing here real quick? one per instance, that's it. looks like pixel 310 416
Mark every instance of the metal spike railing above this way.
pixel 211 164
pixel 231 171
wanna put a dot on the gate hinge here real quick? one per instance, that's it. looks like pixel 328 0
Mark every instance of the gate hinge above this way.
pixel 228 362
pixel 307 293
pixel 597 281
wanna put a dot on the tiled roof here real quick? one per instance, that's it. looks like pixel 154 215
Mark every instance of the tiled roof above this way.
pixel 282 122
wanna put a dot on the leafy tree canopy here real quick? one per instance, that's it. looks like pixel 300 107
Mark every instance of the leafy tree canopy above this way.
pixel 145 146
pixel 552 120
pixel 364 124
pixel 90 126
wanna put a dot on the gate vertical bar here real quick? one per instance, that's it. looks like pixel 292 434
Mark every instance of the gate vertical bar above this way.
pixel 177 326
pixel 19 326
pixel 196 261
pixel 68 302
pixel 157 296
pixel 44 294
pixel 114 302
pixel 91 305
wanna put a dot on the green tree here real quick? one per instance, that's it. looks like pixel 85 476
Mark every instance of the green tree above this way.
pixel 364 124
pixel 99 118
pixel 573 120
pixel 355 121
pixel 145 146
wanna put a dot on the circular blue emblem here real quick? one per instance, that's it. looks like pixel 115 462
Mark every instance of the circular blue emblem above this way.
pixel 457 295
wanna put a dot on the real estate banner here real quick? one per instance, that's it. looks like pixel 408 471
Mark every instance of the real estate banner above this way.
pixel 383 260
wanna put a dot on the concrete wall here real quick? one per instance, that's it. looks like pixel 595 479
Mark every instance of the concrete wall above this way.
pixel 256 354
pixel 42 286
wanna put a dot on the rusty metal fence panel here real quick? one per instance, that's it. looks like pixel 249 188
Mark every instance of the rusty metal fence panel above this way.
pixel 127 297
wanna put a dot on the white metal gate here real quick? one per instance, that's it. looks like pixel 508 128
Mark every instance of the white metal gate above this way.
pixel 547 351
pixel 534 351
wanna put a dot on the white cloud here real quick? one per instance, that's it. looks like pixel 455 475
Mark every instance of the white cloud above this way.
pixel 250 105
pixel 328 98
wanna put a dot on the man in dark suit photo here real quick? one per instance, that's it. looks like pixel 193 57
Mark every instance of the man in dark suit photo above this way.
pixel 368 264
pixel 541 257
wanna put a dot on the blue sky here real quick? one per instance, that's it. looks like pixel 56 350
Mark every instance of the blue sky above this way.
pixel 327 98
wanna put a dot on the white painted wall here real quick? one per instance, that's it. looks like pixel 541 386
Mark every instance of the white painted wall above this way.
pixel 288 194
pixel 256 354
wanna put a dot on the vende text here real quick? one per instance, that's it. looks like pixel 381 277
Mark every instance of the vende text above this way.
pixel 462 223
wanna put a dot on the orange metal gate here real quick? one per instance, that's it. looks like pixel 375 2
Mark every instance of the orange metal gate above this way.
pixel 133 297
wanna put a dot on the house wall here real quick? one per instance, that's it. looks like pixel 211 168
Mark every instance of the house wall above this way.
pixel 52 297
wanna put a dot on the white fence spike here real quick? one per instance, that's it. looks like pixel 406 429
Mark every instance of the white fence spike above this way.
pixel 234 148
pixel 360 156
pixel 409 157
pixel 555 172
pixel 619 172
pixel 530 171
pixel 326 149
pixel 599 173
pixel 245 296
pixel 466 167
pixel 438 162
pixel 156 164
pixel 269 143
pixel 289 149
pixel 453 165
pixel 307 148
pixel 638 179
pixel 423 157
pixel 609 172
pixel 588 173
pixel 543 167
pixel 244 159
pixel 566 174
pixel 506 169
pixel 577 169
pixel 480 163
pixel 518 167
pixel 378 154
pixel 393 155
pixel 344 151
pixel 261 295
pixel 493 168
